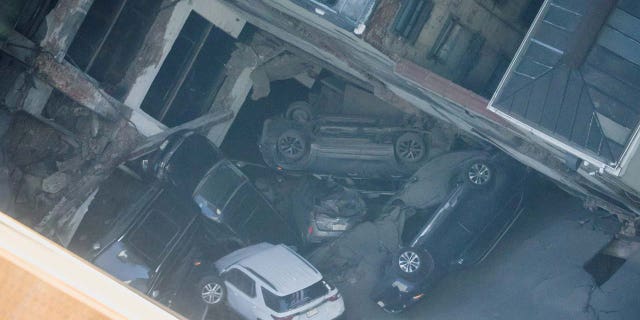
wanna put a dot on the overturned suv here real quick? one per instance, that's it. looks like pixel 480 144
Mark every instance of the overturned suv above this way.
pixel 352 146
pixel 478 210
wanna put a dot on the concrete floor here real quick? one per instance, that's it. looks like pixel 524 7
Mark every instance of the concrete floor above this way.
pixel 534 273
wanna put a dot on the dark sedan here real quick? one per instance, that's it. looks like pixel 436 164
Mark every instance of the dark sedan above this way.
pixel 462 231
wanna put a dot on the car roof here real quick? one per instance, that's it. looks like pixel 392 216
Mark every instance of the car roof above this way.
pixel 282 270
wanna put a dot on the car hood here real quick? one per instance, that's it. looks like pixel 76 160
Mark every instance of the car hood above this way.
pixel 431 184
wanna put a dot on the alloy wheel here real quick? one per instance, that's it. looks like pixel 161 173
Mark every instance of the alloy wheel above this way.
pixel 410 147
pixel 479 173
pixel 409 261
pixel 291 146
pixel 212 293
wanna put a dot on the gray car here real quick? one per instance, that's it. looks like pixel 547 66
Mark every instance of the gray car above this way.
pixel 353 146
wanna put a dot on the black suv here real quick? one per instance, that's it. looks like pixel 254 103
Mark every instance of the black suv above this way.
pixel 462 231
pixel 191 165
pixel 197 208
pixel 157 246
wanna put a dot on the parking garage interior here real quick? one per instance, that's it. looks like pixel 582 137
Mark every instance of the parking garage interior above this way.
pixel 555 260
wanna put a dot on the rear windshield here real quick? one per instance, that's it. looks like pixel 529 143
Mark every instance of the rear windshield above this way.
pixel 191 161
pixel 217 187
pixel 296 299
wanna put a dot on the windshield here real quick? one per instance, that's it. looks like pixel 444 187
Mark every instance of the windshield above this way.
pixel 124 265
pixel 216 188
pixel 296 299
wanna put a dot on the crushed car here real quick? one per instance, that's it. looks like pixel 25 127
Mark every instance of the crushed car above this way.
pixel 266 281
pixel 462 231
pixel 324 210
pixel 353 146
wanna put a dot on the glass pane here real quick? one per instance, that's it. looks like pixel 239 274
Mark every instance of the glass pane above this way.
pixel 296 299
pixel 216 189
pixel 153 235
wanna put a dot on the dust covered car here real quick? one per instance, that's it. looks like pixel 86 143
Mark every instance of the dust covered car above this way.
pixel 431 184
pixel 461 232
pixel 352 146
pixel 325 210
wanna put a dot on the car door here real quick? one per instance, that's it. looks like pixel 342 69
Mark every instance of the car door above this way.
pixel 262 312
pixel 241 293
pixel 486 240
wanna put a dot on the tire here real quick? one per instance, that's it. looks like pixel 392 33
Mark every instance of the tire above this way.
pixel 479 174
pixel 412 263
pixel 211 290
pixel 410 148
pixel 292 145
pixel 299 111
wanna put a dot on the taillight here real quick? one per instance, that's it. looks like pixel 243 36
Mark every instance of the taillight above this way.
pixel 283 318
pixel 310 230
pixel 334 297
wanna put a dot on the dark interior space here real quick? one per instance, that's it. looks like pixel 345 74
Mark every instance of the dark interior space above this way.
pixel 110 37
pixel 602 266
pixel 191 75
pixel 241 142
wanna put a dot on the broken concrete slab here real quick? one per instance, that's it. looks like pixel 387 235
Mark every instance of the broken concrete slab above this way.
pixel 352 262
pixel 55 182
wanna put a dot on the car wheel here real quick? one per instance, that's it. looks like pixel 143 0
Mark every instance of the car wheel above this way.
pixel 212 290
pixel 410 147
pixel 412 263
pixel 299 111
pixel 291 145
pixel 479 174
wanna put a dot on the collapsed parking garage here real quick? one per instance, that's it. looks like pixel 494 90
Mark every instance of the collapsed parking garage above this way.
pixel 193 150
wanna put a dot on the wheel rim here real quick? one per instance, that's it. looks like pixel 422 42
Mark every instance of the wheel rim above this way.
pixel 409 261
pixel 290 147
pixel 479 174
pixel 410 149
pixel 212 293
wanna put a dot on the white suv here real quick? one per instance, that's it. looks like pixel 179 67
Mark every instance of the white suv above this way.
pixel 271 282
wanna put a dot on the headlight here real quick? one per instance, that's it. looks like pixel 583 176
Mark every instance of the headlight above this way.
pixel 327 223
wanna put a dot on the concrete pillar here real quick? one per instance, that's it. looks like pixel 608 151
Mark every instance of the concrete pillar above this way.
pixel 156 47
pixel 62 23
pixel 235 98
pixel 163 34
